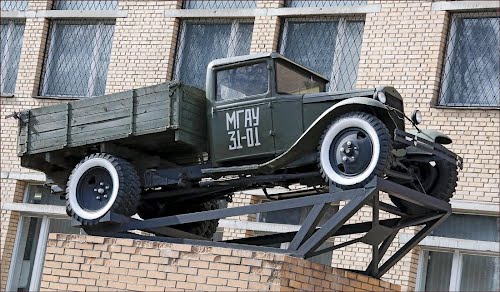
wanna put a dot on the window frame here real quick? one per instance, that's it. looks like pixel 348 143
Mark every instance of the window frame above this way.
pixel 266 94
pixel 8 44
pixel 46 71
pixel 231 50
pixel 457 251
pixel 340 40
pixel 456 266
pixel 449 52
pixel 20 242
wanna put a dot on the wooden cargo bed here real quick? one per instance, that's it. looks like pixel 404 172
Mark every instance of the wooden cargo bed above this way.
pixel 159 119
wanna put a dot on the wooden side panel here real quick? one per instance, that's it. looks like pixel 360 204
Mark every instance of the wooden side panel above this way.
pixel 101 119
pixel 47 128
pixel 173 114
pixel 152 109
pixel 192 117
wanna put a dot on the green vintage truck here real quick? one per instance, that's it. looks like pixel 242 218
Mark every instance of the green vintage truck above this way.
pixel 263 121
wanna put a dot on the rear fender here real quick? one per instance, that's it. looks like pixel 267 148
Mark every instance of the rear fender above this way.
pixel 309 140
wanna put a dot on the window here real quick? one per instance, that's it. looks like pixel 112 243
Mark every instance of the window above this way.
pixel 457 271
pixel 327 45
pixel 85 4
pixel 77 58
pixel 292 81
pixel 460 268
pixel 471 65
pixel 242 81
pixel 323 3
pixel 202 41
pixel 10 48
pixel 219 4
pixel 9 5
pixel 31 240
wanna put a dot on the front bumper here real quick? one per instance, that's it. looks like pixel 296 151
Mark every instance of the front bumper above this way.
pixel 428 147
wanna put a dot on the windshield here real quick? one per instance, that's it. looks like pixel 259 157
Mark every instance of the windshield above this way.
pixel 292 80
pixel 242 81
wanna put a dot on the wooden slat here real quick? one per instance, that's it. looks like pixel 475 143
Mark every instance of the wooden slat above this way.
pixel 145 125
pixel 161 97
pixel 152 106
pixel 153 115
pixel 91 128
pixel 53 143
pixel 102 117
pixel 48 110
pixel 47 135
pixel 42 119
pixel 94 101
pixel 102 108
pixel 46 127
pixel 90 140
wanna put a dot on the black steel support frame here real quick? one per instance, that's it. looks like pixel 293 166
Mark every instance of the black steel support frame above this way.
pixel 379 234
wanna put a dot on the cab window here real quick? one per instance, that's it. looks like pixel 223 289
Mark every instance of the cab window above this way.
pixel 242 81
pixel 296 81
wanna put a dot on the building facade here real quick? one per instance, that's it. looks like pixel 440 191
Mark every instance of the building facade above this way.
pixel 442 56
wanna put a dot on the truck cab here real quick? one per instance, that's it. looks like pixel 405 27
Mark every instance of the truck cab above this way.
pixel 255 105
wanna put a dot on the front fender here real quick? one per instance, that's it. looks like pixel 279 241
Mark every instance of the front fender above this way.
pixel 432 135
pixel 308 141
pixel 429 135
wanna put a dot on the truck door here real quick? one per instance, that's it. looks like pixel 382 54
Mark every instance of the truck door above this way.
pixel 240 118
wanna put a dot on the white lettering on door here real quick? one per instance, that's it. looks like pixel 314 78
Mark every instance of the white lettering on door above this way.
pixel 248 135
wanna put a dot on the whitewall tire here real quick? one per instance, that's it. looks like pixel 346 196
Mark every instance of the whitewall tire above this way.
pixel 354 149
pixel 101 183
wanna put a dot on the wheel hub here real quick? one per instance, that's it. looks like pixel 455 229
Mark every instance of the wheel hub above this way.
pixel 351 152
pixel 94 189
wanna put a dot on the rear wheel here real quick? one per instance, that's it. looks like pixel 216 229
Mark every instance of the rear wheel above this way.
pixel 101 183
pixel 354 149
pixel 435 178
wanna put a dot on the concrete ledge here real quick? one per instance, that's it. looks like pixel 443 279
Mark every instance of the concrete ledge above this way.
pixel 235 13
pixel 49 210
pixel 465 5
pixel 79 263
pixel 24 176
pixel 95 14
pixel 18 14
pixel 454 243
pixel 475 207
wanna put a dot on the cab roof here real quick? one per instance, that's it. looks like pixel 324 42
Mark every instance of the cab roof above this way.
pixel 238 59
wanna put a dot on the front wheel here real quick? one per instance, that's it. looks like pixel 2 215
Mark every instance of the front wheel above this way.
pixel 354 149
pixel 435 178
pixel 101 183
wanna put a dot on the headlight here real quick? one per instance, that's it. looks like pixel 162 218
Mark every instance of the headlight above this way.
pixel 381 97
pixel 416 117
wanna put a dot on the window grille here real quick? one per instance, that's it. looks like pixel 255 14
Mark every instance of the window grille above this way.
pixel 471 65
pixel 323 3
pixel 85 4
pixel 77 59
pixel 327 45
pixel 9 5
pixel 219 4
pixel 10 47
pixel 202 41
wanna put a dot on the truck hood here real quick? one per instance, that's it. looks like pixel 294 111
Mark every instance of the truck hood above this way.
pixel 340 95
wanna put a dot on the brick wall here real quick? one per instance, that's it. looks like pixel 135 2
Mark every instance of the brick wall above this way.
pixel 403 46
pixel 77 263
